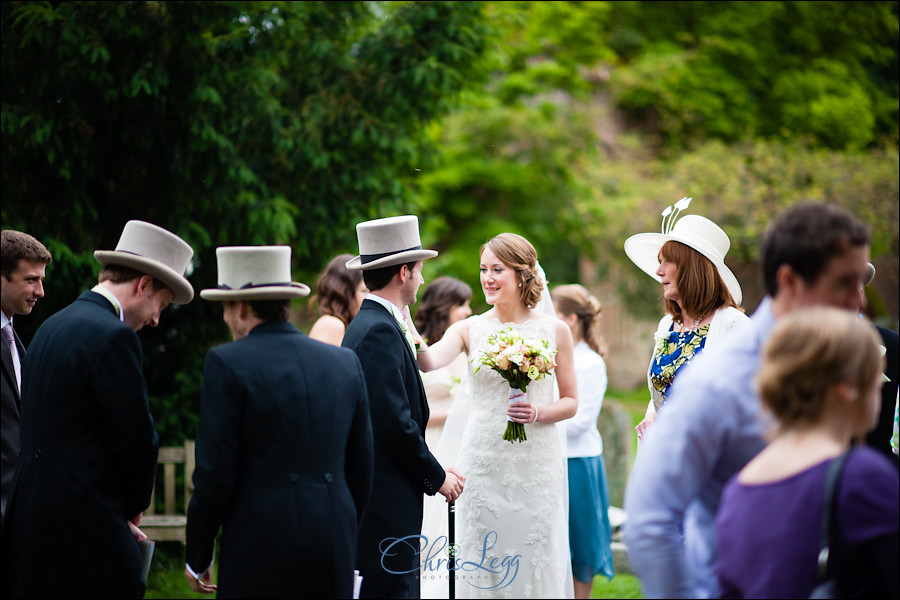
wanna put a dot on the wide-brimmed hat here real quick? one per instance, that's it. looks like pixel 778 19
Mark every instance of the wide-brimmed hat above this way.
pixel 389 241
pixel 255 273
pixel 155 251
pixel 693 231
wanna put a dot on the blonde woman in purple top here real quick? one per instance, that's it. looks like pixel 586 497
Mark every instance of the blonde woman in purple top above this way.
pixel 821 379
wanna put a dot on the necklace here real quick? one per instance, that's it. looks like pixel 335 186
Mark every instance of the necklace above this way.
pixel 697 322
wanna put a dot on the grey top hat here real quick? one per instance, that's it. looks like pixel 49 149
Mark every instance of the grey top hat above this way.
pixel 389 241
pixel 155 251
pixel 255 273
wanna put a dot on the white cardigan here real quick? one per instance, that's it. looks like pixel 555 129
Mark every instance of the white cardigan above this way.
pixel 724 320
pixel 582 436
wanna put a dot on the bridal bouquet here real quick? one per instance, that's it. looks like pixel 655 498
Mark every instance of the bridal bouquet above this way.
pixel 519 362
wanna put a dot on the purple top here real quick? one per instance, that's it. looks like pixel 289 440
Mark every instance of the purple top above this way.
pixel 768 534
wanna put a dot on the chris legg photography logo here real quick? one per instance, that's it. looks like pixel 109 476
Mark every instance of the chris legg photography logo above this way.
pixel 434 562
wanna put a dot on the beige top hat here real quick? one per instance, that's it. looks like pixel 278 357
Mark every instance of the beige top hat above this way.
pixel 389 241
pixel 155 251
pixel 255 273
pixel 694 231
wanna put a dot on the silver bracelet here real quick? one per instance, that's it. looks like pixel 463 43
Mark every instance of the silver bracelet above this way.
pixel 533 421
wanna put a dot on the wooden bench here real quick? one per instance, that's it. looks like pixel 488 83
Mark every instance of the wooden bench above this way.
pixel 171 525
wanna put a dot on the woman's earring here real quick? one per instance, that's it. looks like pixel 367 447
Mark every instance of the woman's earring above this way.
pixel 520 285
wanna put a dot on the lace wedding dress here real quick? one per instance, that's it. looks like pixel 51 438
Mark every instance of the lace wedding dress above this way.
pixel 512 518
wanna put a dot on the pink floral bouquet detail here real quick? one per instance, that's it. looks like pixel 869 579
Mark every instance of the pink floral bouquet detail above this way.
pixel 519 362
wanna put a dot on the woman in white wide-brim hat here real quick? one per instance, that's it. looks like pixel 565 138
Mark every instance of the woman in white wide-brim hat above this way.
pixel 702 296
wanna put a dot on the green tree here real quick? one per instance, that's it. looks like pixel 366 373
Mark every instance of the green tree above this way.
pixel 228 123
pixel 727 70
pixel 510 153
pixel 599 114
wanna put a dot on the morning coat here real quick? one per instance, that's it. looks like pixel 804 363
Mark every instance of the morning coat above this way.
pixel 284 466
pixel 405 469
pixel 87 462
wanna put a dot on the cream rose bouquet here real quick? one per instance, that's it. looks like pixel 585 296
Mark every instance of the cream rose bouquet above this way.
pixel 519 362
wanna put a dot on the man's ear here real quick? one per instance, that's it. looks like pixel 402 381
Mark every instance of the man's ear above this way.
pixel 243 309
pixel 142 284
pixel 787 279
pixel 404 273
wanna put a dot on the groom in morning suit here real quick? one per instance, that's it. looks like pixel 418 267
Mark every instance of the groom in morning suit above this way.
pixel 391 258
pixel 284 444
pixel 24 260
pixel 88 444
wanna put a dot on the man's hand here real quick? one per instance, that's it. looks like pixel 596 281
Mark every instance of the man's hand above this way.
pixel 202 585
pixel 453 485
pixel 133 523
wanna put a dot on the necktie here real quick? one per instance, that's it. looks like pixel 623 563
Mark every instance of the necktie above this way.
pixel 11 342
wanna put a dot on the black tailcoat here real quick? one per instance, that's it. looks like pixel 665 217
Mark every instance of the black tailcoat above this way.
pixel 88 458
pixel 284 466
pixel 405 469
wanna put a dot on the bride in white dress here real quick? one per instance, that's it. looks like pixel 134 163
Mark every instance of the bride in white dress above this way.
pixel 511 520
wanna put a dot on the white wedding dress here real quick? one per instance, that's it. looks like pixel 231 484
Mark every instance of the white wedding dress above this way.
pixel 512 518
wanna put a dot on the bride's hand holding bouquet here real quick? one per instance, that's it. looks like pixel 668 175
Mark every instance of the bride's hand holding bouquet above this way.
pixel 519 362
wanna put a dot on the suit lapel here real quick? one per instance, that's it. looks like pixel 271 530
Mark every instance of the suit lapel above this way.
pixel 383 313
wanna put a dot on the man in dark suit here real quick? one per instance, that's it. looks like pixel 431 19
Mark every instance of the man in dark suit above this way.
pixel 284 445
pixel 24 262
pixel 88 444
pixel 391 258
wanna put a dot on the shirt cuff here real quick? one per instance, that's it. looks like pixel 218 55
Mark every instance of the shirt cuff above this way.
pixel 191 571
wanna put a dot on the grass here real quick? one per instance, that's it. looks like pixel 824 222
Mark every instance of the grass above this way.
pixel 166 578
pixel 634 400
pixel 620 586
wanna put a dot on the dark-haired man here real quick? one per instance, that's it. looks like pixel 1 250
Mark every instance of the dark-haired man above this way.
pixel 391 258
pixel 88 443
pixel 284 444
pixel 22 270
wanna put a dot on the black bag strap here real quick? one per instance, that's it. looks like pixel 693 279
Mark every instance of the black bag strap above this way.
pixel 831 477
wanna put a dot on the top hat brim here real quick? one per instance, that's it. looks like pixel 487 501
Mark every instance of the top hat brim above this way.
pixel 407 256
pixel 181 288
pixel 870 274
pixel 268 292
pixel 643 250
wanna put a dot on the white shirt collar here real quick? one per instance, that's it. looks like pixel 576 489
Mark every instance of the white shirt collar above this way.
pixel 112 298
pixel 392 308
pixel 5 320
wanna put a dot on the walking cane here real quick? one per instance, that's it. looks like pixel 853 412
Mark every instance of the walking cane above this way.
pixel 452 549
